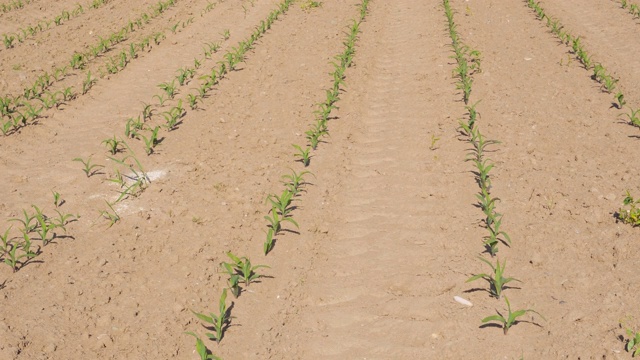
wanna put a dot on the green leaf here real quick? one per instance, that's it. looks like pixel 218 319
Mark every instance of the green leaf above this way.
pixel 476 277
pixel 494 318
pixel 203 317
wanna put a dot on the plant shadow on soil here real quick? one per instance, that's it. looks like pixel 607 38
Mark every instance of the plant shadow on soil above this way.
pixel 495 325
pixel 472 290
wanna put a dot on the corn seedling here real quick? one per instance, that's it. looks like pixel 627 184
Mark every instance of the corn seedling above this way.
pixel 226 34
pixel 309 4
pixel 275 221
pixel 44 226
pixel 26 222
pixel 173 116
pixel 184 74
pixel 634 116
pixel 620 99
pixel 609 83
pixel 282 203
pixel 147 112
pixel 132 127
pixel 88 83
pixel 151 141
pixel 63 220
pixel 169 88
pixel 117 179
pixel 633 341
pixel 242 268
pixel 434 139
pixel 161 99
pixel 8 41
pixel 303 154
pixel 193 101
pixel 113 145
pixel 496 280
pixel 110 214
pixel 201 349
pixel 219 323
pixel 630 214
pixel 295 181
pixel 57 201
pixel 268 244
pixel 89 168
pixel 14 259
pixel 512 317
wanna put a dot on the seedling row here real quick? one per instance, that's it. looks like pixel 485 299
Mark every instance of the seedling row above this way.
pixel 240 270
pixel 27 108
pixel 468 64
pixel 14 5
pixel 23 34
pixel 630 212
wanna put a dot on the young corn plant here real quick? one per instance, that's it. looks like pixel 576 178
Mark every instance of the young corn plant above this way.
pixel 57 200
pixel 282 203
pixel 630 213
pixel 113 145
pixel 18 254
pixel 89 168
pixel 496 236
pixel 295 181
pixel 169 89
pixel 110 214
pixel 241 266
pixel 151 141
pixel 303 155
pixel 512 317
pixel 88 83
pixel 496 280
pixel 269 242
pixel 275 221
pixel 633 341
pixel 173 116
pixel 634 117
pixel 44 227
pixel 219 323
pixel 201 349
pixel 27 227
pixel 132 127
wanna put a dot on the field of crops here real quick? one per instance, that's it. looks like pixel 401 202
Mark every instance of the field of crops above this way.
pixel 296 179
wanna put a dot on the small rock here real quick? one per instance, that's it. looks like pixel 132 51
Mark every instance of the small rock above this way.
pixel 462 301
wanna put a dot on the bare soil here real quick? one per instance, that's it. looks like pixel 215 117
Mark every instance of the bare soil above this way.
pixel 389 224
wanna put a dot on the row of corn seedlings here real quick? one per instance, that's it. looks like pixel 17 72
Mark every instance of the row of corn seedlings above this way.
pixel 281 205
pixel 240 270
pixel 600 73
pixel 139 127
pixel 630 212
pixel 19 111
pixel 468 64
pixel 17 250
pixel 128 172
pixel 632 8
pixel 14 5
pixel 23 34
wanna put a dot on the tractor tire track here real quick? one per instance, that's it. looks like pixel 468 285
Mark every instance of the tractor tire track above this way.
pixel 374 289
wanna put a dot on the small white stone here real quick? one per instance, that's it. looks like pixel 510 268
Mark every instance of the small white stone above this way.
pixel 462 301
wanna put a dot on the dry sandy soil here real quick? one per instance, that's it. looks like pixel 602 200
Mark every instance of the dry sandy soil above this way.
pixel 389 224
